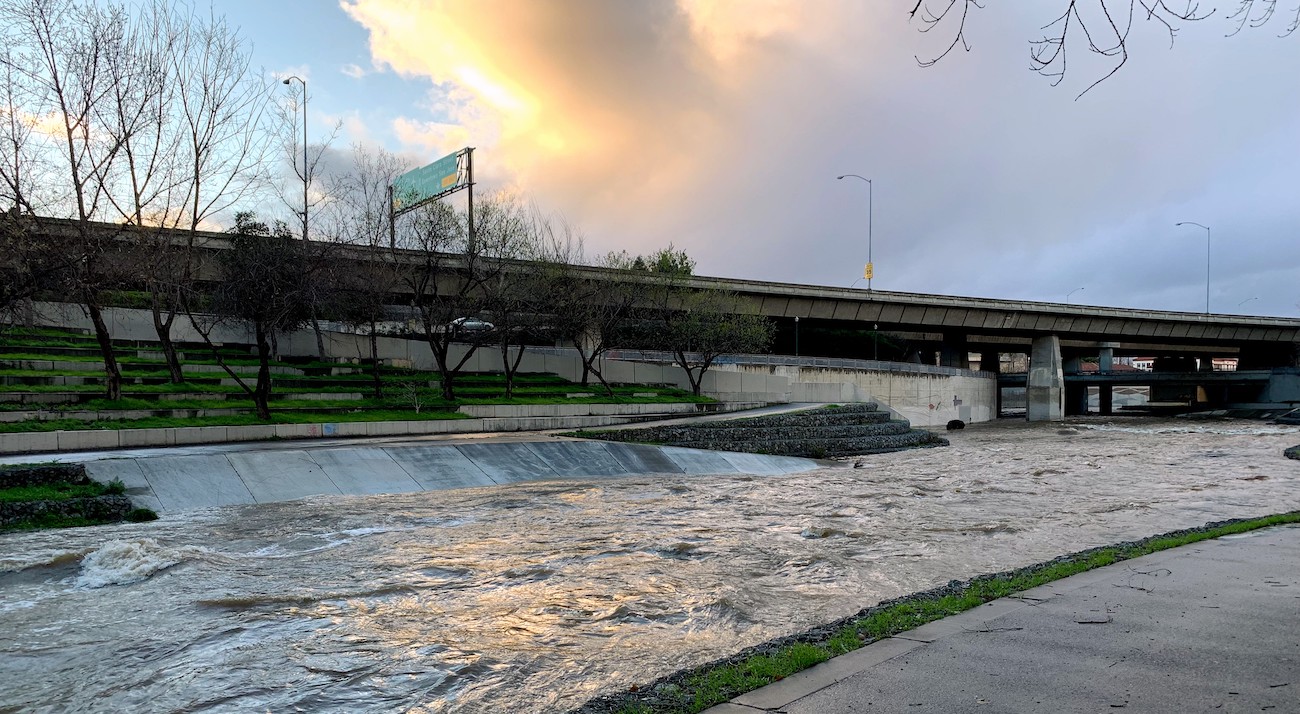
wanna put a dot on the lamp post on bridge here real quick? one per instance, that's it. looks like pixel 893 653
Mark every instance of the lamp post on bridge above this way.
pixel 870 271
pixel 1207 259
pixel 1067 295
pixel 305 176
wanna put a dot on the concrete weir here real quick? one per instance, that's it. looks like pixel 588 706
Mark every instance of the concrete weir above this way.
pixel 169 482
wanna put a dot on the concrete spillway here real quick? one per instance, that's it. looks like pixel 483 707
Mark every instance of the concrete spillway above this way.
pixel 190 481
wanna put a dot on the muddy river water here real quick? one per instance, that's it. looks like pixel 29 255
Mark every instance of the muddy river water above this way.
pixel 536 597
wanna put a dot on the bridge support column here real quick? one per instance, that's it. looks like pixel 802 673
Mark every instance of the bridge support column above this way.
pixel 1106 392
pixel 992 362
pixel 1105 400
pixel 1106 356
pixel 952 353
pixel 1045 394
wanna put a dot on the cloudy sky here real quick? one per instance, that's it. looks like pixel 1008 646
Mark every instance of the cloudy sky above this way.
pixel 720 126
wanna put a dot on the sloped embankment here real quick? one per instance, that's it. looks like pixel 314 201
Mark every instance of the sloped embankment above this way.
pixel 848 430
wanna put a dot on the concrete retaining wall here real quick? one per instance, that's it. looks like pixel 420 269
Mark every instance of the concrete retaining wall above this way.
pixel 925 400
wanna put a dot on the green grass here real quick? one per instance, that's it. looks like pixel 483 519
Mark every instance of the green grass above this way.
pixel 50 492
pixel 34 426
pixel 64 491
pixel 714 685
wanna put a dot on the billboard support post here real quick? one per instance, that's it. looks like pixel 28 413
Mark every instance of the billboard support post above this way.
pixel 392 221
pixel 469 169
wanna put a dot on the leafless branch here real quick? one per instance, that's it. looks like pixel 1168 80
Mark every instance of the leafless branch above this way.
pixel 931 20
pixel 1105 26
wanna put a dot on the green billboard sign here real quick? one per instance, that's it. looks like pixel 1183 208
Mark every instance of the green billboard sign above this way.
pixel 428 181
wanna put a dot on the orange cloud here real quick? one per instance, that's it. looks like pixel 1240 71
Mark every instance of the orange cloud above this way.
pixel 604 110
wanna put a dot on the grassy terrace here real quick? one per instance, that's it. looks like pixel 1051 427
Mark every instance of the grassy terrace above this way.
pixel 43 387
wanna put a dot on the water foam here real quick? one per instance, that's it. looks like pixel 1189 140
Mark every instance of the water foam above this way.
pixel 121 562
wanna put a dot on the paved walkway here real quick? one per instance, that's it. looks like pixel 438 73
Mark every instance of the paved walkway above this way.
pixel 1209 627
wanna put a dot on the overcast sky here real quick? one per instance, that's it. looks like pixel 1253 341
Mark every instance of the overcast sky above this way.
pixel 721 126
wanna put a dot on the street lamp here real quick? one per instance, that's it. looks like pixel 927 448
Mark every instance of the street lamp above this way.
pixel 305 176
pixel 870 198
pixel 1067 295
pixel 796 335
pixel 1207 259
pixel 1243 302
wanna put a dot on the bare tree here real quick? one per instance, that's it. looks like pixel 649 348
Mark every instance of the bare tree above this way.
pixel 359 215
pixel 696 326
pixel 212 117
pixel 262 286
pixel 59 50
pixel 447 274
pixel 156 115
pixel 521 298
pixel 591 309
pixel 1102 26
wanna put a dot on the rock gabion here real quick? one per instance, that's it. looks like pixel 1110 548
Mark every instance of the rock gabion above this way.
pixel 850 430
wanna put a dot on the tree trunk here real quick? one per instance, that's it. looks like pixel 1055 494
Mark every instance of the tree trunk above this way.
pixel 320 339
pixel 440 353
pixel 511 367
pixel 112 372
pixel 164 330
pixel 262 392
pixel 374 361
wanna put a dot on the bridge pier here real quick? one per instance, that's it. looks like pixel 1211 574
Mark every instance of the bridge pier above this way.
pixel 1076 395
pixel 1105 400
pixel 1045 393
pixel 953 352
pixel 1105 392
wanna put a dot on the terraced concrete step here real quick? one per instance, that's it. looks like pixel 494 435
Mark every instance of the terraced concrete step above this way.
pixel 830 431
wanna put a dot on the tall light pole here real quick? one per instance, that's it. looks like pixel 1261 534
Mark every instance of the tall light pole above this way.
pixel 1243 302
pixel 1067 295
pixel 871 268
pixel 305 176
pixel 1207 259
pixel 796 335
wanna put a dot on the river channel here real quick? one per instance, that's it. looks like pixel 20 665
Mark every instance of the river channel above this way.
pixel 536 597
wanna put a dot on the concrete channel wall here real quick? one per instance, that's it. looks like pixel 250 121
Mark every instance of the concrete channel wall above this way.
pixel 169 483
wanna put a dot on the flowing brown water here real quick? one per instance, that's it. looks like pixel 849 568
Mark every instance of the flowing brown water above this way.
pixel 535 597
